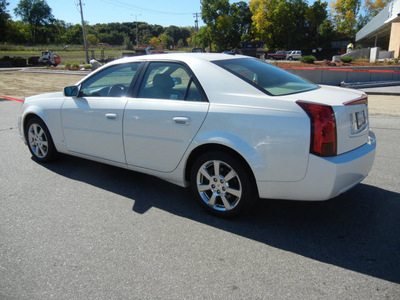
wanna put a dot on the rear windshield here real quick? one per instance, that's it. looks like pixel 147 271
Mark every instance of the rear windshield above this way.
pixel 270 79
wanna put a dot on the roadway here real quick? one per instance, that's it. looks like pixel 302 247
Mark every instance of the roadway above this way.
pixel 77 229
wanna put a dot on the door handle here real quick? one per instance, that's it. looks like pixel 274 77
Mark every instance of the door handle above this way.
pixel 182 120
pixel 112 116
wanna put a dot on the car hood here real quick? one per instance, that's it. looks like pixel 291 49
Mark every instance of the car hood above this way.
pixel 45 96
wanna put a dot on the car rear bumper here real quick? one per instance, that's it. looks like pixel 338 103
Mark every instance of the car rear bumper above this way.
pixel 326 177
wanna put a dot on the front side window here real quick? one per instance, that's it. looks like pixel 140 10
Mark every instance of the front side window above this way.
pixel 171 81
pixel 270 79
pixel 111 82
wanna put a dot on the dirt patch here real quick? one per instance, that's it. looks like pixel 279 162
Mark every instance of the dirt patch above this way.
pixel 384 105
pixel 19 85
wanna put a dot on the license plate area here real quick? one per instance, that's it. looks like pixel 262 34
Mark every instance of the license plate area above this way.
pixel 359 121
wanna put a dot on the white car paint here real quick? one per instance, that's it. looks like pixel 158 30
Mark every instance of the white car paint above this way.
pixel 158 132
pixel 157 137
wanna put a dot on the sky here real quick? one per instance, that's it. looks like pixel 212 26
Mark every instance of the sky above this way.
pixel 161 12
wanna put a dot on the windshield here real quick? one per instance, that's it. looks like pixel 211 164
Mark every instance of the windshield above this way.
pixel 270 79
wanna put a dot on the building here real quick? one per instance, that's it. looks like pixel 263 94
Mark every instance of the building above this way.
pixel 383 30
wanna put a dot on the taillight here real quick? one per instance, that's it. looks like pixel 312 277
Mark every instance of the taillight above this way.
pixel 323 128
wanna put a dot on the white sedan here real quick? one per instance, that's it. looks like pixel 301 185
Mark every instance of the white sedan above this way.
pixel 231 127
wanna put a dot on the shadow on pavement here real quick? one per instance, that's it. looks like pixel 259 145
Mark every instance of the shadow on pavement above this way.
pixel 358 231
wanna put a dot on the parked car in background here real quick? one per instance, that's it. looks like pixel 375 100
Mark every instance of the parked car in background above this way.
pixel 105 45
pixel 198 50
pixel 230 126
pixel 277 55
pixel 294 55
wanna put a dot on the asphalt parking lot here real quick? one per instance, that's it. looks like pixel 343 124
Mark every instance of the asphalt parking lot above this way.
pixel 77 229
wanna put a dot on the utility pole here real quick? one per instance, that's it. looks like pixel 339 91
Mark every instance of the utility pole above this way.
pixel 196 27
pixel 84 33
pixel 137 37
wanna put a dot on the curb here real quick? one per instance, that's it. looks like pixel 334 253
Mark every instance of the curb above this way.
pixel 12 99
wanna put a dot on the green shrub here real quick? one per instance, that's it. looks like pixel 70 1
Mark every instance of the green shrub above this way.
pixel 75 66
pixel 68 65
pixel 396 60
pixel 308 59
pixel 87 67
pixel 362 60
pixel 346 59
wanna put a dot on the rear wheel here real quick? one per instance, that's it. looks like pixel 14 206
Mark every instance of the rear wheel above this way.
pixel 222 184
pixel 39 141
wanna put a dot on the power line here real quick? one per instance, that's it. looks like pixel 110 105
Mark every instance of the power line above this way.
pixel 125 5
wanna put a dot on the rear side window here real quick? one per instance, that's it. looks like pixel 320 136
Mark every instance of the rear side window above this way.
pixel 171 81
pixel 270 79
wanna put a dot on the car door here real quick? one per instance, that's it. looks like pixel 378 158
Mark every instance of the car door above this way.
pixel 161 122
pixel 92 122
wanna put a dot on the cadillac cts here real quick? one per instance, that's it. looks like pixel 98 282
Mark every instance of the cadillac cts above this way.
pixel 231 127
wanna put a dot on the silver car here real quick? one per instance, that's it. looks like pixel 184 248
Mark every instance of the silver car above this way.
pixel 294 55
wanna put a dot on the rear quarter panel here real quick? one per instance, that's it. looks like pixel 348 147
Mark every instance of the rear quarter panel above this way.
pixel 275 143
pixel 271 133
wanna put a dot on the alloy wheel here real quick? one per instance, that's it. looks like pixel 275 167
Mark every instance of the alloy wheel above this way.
pixel 219 185
pixel 38 141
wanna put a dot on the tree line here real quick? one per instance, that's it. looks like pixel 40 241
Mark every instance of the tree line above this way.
pixel 280 24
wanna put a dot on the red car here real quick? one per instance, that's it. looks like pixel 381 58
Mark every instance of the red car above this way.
pixel 278 55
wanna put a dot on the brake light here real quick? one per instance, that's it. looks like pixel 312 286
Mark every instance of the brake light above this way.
pixel 323 128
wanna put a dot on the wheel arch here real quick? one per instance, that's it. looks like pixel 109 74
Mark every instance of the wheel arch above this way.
pixel 34 114
pixel 220 148
pixel 28 117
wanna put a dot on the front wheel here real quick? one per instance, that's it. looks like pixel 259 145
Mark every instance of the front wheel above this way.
pixel 222 184
pixel 39 141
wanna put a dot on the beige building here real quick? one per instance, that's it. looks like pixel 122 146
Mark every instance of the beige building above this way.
pixel 383 30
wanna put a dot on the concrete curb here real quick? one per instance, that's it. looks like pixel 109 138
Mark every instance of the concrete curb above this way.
pixel 388 88
pixel 373 91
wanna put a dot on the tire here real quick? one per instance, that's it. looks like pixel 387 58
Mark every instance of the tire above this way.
pixel 222 184
pixel 39 141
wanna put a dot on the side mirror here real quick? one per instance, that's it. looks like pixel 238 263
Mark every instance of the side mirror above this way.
pixel 71 91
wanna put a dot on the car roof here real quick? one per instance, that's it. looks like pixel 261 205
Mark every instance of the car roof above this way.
pixel 185 57
pixel 188 58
